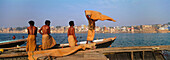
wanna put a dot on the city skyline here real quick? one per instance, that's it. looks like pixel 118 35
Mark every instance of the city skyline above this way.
pixel 157 28
pixel 17 13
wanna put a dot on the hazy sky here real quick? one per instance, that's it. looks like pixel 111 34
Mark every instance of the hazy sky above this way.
pixel 17 13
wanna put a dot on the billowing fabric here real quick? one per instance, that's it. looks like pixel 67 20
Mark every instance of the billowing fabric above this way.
pixel 90 35
pixel 95 15
pixel 31 43
pixel 34 55
pixel 71 41
pixel 47 41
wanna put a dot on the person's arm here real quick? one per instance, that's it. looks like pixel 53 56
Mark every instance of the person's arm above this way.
pixel 49 30
pixel 74 35
pixel 40 31
pixel 68 32
pixel 36 31
pixel 87 16
pixel 28 30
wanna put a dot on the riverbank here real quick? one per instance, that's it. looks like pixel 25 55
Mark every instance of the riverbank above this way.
pixel 159 31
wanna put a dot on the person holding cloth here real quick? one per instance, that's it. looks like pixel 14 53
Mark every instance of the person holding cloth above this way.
pixel 47 40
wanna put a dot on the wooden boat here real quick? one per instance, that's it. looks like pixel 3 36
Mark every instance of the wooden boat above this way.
pixel 12 43
pixel 20 51
pixel 100 43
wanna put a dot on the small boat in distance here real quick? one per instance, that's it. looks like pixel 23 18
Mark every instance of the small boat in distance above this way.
pixel 12 43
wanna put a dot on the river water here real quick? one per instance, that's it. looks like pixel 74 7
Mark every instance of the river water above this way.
pixel 123 39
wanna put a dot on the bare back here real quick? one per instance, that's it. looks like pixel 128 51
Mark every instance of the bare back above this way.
pixel 71 31
pixel 32 30
pixel 45 30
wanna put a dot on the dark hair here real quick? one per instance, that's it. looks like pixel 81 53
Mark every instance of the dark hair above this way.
pixel 31 22
pixel 71 23
pixel 47 21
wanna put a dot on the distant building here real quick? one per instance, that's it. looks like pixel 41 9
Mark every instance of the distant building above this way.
pixel 169 27
pixel 123 29
pixel 146 26
pixel 163 28
pixel 159 25
pixel 128 29
pixel 156 28
pixel 112 30
pixel 104 27
pixel 132 29
pixel 97 29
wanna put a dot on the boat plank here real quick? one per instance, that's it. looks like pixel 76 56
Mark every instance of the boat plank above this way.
pixel 137 56
pixel 114 54
pixel 162 47
pixel 123 56
pixel 13 55
pixel 84 56
pixel 149 56
pixel 158 56
pixel 111 56
pixel 129 49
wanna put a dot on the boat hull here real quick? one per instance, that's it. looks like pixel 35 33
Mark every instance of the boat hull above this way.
pixel 12 43
pixel 104 45
pixel 101 43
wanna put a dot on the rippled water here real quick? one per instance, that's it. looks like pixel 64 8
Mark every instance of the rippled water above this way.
pixel 123 39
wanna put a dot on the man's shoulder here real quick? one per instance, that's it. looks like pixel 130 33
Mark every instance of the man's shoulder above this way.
pixel 35 27
pixel 72 28
pixel 45 26
pixel 28 27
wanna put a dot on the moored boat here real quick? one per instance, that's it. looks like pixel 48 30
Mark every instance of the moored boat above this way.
pixel 12 43
pixel 18 52
pixel 100 43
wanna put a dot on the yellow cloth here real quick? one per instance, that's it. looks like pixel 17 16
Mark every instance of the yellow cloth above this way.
pixel 2 50
pixel 71 41
pixel 47 41
pixel 95 15
pixel 90 35
pixel 31 43
pixel 34 55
